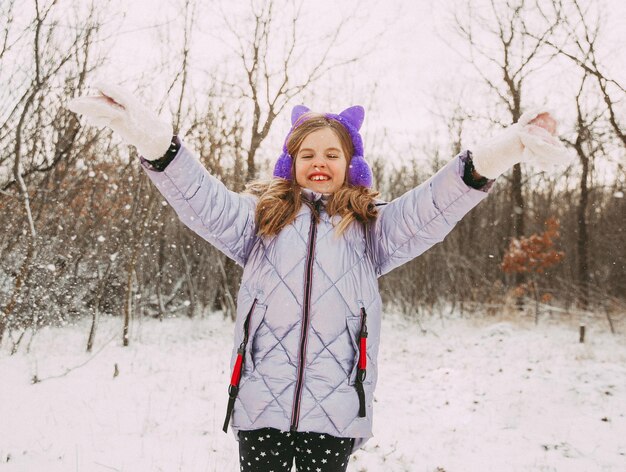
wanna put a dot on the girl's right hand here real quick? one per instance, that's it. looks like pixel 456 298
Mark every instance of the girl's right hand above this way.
pixel 118 109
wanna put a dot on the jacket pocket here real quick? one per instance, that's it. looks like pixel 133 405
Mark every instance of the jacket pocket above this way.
pixel 353 325
pixel 255 318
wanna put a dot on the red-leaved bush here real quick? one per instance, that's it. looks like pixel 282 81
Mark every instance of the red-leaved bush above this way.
pixel 534 253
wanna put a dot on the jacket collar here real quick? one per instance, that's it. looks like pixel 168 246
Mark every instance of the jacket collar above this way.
pixel 313 196
pixel 309 197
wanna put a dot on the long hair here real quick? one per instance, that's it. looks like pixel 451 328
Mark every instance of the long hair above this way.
pixel 280 199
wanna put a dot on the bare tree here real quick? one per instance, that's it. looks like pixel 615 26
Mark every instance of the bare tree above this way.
pixel 586 148
pixel 28 113
pixel 581 21
pixel 504 55
pixel 581 25
pixel 269 88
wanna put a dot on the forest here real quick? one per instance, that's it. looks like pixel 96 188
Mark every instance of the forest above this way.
pixel 84 234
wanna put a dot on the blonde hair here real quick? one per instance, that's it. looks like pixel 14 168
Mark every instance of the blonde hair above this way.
pixel 280 199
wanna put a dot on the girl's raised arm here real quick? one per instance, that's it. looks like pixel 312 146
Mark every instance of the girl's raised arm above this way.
pixel 224 218
pixel 422 217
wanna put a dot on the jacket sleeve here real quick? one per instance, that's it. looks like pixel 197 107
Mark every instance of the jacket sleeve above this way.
pixel 422 217
pixel 224 218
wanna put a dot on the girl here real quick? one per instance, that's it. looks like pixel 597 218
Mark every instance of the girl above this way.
pixel 313 242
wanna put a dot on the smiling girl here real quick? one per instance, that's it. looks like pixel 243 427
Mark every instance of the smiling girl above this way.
pixel 312 242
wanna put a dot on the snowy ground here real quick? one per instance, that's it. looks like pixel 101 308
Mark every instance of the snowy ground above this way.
pixel 462 395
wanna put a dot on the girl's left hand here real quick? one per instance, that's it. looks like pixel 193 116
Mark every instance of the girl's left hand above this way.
pixel 544 120
pixel 533 139
pixel 542 146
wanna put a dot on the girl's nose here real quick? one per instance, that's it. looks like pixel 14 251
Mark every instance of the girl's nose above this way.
pixel 318 162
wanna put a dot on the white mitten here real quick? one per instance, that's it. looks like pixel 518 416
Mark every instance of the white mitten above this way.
pixel 118 109
pixel 521 142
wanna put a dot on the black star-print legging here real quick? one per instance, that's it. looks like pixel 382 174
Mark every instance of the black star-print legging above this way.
pixel 271 450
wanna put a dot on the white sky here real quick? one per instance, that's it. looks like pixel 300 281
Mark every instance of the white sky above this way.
pixel 408 58
pixel 410 63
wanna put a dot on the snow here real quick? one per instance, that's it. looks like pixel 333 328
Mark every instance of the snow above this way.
pixel 453 395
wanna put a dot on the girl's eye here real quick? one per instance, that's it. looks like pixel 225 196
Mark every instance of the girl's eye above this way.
pixel 306 157
pixel 333 156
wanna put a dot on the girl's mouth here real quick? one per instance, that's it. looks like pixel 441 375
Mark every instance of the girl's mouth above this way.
pixel 319 177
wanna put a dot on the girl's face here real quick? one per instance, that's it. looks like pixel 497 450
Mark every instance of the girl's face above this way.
pixel 320 162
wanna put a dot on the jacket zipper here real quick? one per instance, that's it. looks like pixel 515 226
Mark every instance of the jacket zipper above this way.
pixel 306 308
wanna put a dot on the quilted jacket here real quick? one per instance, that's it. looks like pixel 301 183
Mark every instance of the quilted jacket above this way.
pixel 307 295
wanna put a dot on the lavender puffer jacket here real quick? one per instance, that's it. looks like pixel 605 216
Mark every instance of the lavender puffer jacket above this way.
pixel 305 292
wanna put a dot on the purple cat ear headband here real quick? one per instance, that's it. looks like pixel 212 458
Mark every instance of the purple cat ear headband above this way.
pixel 359 172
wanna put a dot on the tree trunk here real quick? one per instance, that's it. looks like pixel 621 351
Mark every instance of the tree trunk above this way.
pixel 159 279
pixel 31 251
pixel 228 301
pixel 191 290
pixel 132 264
pixel 96 311
pixel 582 243
pixel 518 219
pixel 128 306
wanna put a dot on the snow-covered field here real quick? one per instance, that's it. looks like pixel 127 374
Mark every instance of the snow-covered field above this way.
pixel 453 395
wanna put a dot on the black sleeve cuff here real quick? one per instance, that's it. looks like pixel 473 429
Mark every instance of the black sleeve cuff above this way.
pixel 162 162
pixel 468 172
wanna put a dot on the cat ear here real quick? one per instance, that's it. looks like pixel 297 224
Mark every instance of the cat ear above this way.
pixel 354 115
pixel 297 112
